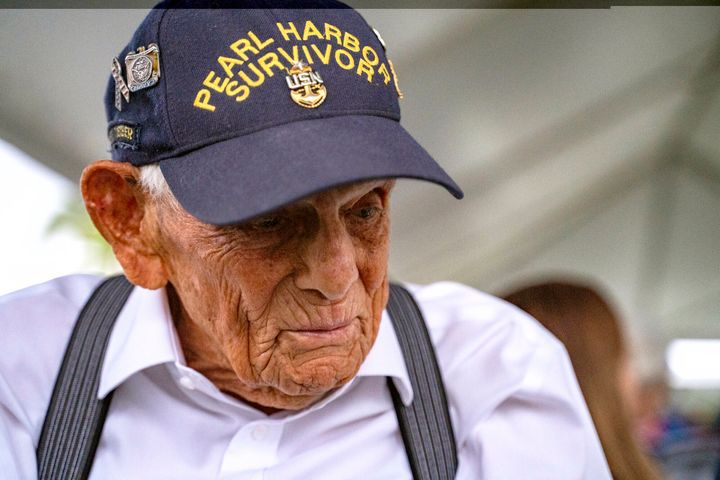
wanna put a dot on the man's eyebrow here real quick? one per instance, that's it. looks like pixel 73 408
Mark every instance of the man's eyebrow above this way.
pixel 362 189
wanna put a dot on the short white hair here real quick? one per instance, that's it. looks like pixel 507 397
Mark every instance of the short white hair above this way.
pixel 153 182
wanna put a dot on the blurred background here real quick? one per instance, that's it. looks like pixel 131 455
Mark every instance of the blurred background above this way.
pixel 587 143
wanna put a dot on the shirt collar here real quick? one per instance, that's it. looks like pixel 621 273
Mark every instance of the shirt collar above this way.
pixel 144 335
pixel 386 359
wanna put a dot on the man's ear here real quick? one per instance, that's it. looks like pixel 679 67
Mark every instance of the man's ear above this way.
pixel 117 206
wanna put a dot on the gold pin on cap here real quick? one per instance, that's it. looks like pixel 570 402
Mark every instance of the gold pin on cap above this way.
pixel 392 67
pixel 307 88
pixel 143 67
pixel 395 80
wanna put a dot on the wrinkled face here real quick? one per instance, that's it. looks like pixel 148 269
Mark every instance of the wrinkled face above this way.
pixel 282 309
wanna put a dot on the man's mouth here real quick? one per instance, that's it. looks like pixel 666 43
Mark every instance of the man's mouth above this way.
pixel 325 331
pixel 337 329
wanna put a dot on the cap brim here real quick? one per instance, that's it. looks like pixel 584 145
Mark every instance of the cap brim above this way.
pixel 235 180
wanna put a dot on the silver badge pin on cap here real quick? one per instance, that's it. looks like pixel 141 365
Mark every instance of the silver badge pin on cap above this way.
pixel 143 67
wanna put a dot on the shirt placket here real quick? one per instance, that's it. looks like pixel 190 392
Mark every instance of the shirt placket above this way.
pixel 252 450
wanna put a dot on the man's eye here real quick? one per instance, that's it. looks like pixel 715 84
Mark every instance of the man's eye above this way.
pixel 269 223
pixel 366 212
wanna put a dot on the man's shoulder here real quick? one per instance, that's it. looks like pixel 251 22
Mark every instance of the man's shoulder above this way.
pixel 475 331
pixel 74 287
pixel 36 323
pixel 489 350
pixel 50 306
pixel 456 313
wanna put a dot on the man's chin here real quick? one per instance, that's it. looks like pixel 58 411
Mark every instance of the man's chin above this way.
pixel 271 402
pixel 275 400
pixel 307 385
pixel 319 377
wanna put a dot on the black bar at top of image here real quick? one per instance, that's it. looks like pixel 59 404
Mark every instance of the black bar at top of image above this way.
pixel 401 4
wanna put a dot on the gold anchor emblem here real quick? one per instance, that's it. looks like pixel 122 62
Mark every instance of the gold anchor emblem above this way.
pixel 307 88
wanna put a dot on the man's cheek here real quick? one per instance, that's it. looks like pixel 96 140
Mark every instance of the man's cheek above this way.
pixel 374 273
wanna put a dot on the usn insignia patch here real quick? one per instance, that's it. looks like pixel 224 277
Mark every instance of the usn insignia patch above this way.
pixel 307 88
pixel 143 67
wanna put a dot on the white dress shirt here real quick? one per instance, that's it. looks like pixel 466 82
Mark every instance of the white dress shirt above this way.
pixel 516 407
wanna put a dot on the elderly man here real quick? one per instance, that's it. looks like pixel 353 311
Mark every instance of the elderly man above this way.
pixel 254 153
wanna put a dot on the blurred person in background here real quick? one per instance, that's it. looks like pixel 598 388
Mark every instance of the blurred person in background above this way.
pixel 584 322
pixel 660 426
pixel 686 447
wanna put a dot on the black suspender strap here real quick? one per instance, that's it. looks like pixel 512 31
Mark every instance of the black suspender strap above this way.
pixel 75 417
pixel 425 424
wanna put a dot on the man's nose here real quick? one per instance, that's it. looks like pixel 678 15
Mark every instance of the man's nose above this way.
pixel 329 262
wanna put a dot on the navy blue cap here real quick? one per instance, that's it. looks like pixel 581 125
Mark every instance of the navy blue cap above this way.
pixel 246 110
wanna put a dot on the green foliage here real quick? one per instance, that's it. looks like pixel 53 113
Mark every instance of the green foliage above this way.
pixel 73 218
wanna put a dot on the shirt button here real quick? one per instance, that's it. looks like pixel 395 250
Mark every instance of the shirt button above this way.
pixel 259 433
pixel 187 383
